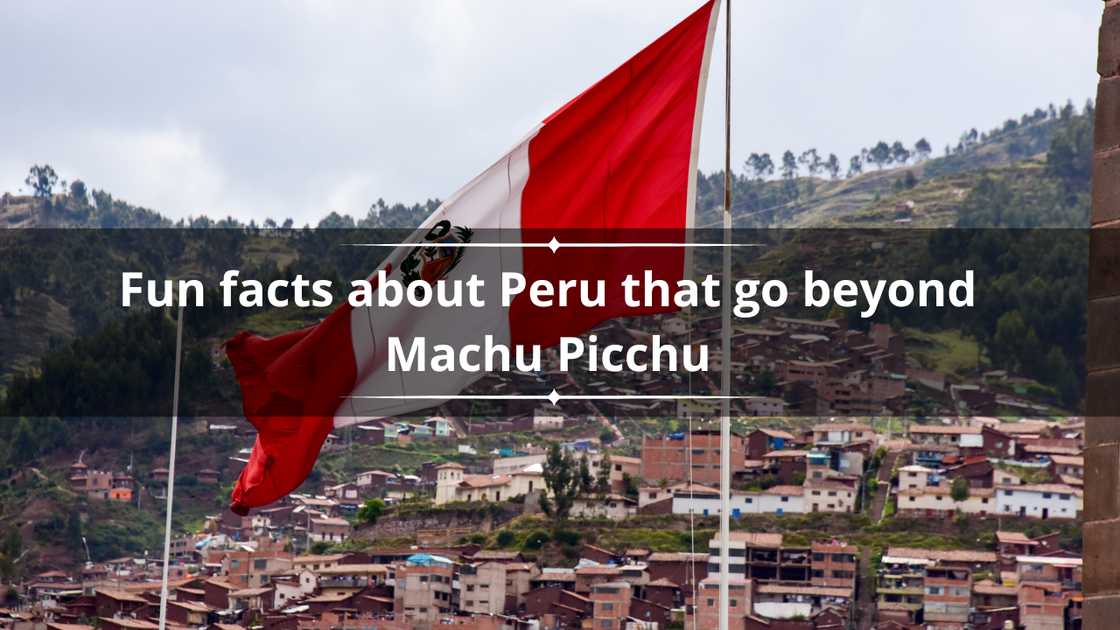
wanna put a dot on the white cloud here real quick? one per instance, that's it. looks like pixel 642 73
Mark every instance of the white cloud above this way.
pixel 298 108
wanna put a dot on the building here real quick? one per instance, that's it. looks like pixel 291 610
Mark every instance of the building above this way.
pixel 424 589
pixel 762 441
pixel 610 603
pixel 327 529
pixel 829 496
pixel 1042 501
pixel 901 588
pixel 834 563
pixel 691 457
pixel 948 596
pixel 740 605
pixel 764 558
pixel 704 501
pixel 453 485
pixel 841 433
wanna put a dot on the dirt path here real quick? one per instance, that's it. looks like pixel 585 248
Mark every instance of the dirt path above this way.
pixel 879 501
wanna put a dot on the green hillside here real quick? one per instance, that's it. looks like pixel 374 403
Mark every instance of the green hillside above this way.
pixel 60 339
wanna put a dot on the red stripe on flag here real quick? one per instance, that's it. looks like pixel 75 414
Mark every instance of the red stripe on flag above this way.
pixel 613 165
pixel 291 386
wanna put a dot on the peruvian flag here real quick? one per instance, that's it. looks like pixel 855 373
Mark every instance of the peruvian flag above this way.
pixel 616 163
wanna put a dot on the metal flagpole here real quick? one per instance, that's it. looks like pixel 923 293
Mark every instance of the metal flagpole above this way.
pixel 725 371
pixel 171 470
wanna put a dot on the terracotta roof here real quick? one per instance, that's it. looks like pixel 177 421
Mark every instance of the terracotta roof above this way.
pixel 484 481
pixel 251 592
pixel 598 570
pixel 822 591
pixel 1016 538
pixel 958 555
pixel 120 596
pixel 754 540
pixel 776 433
pixel 1044 487
pixel 940 429
pixel 791 491
pixel 841 426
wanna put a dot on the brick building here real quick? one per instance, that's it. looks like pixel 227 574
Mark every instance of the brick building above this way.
pixel 669 457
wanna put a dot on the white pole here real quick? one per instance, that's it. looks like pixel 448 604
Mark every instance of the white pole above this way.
pixel 171 470
pixel 725 372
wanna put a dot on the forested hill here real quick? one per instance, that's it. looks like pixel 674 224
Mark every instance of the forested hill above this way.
pixel 61 339
pixel 1030 171
pixel 1034 168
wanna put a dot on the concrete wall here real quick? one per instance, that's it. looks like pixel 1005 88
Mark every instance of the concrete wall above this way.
pixel 1102 456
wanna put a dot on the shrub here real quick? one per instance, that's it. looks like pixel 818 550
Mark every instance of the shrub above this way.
pixel 536 539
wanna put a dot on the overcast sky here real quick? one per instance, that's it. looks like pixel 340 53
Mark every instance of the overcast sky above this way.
pixel 298 108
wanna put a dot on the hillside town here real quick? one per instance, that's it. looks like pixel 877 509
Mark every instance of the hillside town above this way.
pixel 264 570
pixel 829 433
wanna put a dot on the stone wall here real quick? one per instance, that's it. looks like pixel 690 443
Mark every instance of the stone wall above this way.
pixel 1102 455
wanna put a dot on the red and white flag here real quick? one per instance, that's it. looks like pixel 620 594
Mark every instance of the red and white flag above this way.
pixel 620 158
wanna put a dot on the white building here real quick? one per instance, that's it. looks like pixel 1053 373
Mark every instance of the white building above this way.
pixel 1039 501
pixel 764 406
pixel 913 476
pixel 704 501
pixel 829 496
pixel 612 506
pixel 938 500
pixel 453 485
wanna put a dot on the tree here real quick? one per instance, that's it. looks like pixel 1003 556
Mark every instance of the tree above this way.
pixel 811 160
pixel 24 445
pixel 789 173
pixel 855 166
pixel 78 191
pixel 1070 156
pixel 562 481
pixel 335 220
pixel 899 153
pixel 959 490
pixel 880 155
pixel 41 179
pixel 606 436
pixel 603 478
pixel 760 165
pixel 586 481
pixel 370 511
pixel 833 166
pixel 923 149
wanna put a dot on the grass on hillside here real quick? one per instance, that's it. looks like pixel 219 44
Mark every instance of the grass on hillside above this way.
pixel 947 351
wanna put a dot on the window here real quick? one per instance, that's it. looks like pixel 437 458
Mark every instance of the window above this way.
pixel 1045 495
pixel 608 606
pixel 260 564
pixel 785 499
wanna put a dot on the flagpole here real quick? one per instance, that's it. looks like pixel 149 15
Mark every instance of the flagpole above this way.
pixel 725 371
pixel 171 469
